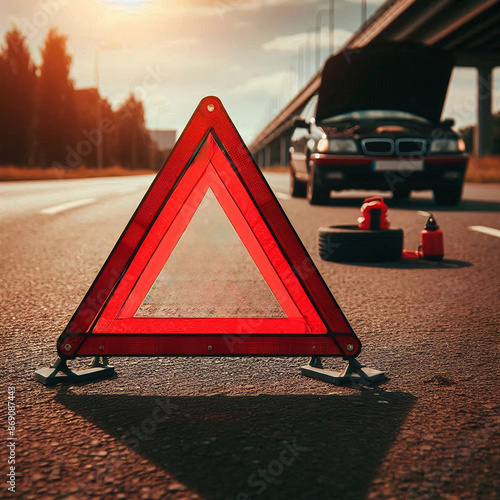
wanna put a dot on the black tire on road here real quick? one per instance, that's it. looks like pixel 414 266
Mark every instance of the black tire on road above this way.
pixel 448 195
pixel 297 188
pixel 351 244
pixel 316 194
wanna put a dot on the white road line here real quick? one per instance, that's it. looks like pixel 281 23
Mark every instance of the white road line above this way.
pixel 486 230
pixel 126 190
pixel 282 196
pixel 67 206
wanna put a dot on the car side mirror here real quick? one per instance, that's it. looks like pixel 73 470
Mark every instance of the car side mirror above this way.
pixel 300 122
pixel 449 122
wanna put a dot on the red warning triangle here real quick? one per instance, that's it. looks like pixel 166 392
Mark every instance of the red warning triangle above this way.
pixel 209 157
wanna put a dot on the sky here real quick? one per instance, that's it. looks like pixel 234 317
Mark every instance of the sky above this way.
pixel 252 54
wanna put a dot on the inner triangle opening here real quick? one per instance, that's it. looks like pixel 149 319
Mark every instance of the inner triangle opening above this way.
pixel 210 274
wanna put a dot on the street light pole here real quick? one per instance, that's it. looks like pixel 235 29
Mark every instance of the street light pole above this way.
pixel 98 111
pixel 99 48
pixel 157 135
pixel 318 35
pixel 308 50
pixel 293 79
pixel 363 12
pixel 331 26
pixel 301 64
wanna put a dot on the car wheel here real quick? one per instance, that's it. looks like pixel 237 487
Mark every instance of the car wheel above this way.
pixel 316 195
pixel 401 194
pixel 297 188
pixel 351 244
pixel 448 195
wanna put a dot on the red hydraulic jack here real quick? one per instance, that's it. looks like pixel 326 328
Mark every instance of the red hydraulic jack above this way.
pixel 431 242
pixel 374 214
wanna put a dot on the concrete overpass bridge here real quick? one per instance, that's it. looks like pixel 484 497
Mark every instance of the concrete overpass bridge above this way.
pixel 470 29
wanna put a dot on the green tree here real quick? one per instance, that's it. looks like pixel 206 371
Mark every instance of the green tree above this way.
pixel 94 127
pixel 134 142
pixel 17 104
pixel 56 116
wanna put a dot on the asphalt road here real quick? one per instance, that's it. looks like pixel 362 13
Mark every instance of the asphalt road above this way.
pixel 240 428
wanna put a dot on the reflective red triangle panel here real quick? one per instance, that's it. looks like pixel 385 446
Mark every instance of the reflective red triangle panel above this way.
pixel 209 157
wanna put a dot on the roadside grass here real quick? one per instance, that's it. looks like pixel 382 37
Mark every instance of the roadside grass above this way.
pixel 15 173
pixel 486 169
pixel 276 168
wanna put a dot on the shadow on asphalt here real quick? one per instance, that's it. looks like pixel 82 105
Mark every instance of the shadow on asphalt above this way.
pixel 423 204
pixel 243 447
pixel 414 264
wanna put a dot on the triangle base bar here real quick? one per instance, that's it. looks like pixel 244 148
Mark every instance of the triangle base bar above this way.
pixel 59 373
pixel 355 374
pixel 210 345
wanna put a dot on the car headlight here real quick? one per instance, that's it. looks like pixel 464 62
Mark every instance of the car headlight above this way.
pixel 337 146
pixel 447 146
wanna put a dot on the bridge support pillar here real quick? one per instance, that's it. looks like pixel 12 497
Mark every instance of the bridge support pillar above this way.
pixel 483 139
pixel 260 158
pixel 267 156
pixel 284 151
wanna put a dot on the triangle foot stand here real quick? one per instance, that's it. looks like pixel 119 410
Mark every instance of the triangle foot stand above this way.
pixel 59 373
pixel 354 374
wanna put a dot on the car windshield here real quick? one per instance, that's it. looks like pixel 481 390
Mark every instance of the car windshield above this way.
pixel 375 114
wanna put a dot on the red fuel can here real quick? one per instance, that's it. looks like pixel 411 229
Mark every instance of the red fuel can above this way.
pixel 432 246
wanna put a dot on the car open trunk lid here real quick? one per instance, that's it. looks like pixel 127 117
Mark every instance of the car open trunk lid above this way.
pixel 386 75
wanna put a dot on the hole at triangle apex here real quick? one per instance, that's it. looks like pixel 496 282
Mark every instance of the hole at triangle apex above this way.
pixel 210 274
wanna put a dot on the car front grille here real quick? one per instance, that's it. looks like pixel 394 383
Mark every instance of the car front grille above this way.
pixel 410 146
pixel 389 147
pixel 378 147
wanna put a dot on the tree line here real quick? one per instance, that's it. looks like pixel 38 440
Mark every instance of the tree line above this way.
pixel 45 121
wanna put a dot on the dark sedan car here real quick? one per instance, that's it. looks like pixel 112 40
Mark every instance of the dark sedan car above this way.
pixel 375 124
